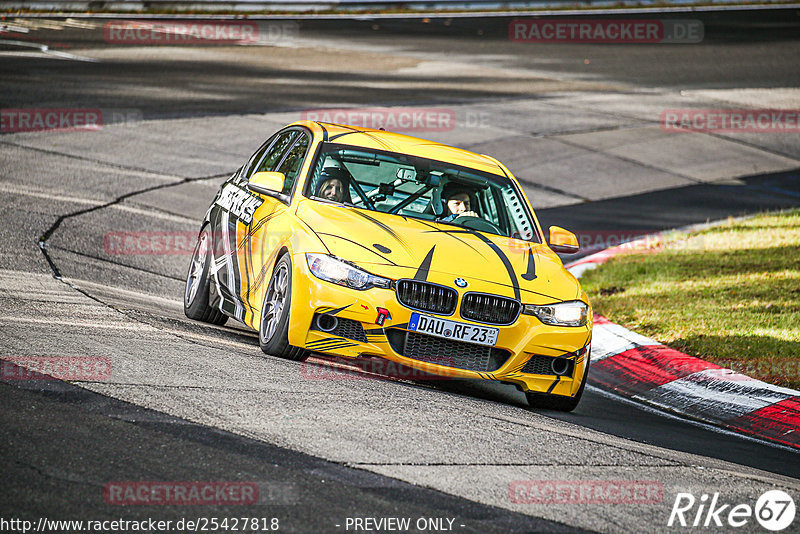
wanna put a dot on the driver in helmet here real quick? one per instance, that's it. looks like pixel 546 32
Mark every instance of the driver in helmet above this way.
pixel 457 199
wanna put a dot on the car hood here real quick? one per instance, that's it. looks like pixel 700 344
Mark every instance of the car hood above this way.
pixel 403 247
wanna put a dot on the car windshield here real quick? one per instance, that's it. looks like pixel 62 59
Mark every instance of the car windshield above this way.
pixel 420 188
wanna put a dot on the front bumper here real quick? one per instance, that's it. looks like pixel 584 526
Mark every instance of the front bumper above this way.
pixel 519 357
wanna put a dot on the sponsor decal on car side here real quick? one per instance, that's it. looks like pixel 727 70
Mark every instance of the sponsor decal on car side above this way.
pixel 239 202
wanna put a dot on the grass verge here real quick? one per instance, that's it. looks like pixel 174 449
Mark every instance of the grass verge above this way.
pixel 729 294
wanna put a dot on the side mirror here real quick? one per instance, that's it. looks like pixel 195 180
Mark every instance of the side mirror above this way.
pixel 563 241
pixel 268 183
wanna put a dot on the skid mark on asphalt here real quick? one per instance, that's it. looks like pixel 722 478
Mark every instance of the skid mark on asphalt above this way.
pixel 116 203
pixel 50 231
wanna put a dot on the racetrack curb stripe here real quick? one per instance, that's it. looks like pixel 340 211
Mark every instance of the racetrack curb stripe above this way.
pixel 778 422
pixel 647 371
pixel 641 369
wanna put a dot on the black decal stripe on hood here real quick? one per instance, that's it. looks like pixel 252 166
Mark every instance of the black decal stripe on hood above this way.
pixel 425 267
pixel 500 254
pixel 306 225
pixel 531 272
pixel 360 245
pixel 318 237
pixel 448 232
pixel 385 228
pixel 521 288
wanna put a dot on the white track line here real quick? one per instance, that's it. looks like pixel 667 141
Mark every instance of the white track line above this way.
pixel 43 48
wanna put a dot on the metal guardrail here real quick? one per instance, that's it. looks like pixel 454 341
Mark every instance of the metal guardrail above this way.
pixel 84 7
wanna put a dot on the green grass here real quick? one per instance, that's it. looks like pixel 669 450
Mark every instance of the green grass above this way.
pixel 729 294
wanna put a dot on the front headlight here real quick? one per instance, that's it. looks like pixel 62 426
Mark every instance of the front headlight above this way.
pixel 337 271
pixel 572 313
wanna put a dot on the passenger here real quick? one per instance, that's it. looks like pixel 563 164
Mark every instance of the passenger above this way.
pixel 334 185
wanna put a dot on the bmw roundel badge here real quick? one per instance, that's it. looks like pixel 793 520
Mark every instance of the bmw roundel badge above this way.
pixel 460 282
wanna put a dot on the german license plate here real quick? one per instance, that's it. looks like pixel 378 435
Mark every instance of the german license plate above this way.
pixel 425 324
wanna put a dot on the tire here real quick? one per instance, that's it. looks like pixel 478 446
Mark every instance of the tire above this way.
pixel 273 329
pixel 557 402
pixel 195 294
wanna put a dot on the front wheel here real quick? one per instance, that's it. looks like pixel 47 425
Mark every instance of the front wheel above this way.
pixel 273 331
pixel 559 403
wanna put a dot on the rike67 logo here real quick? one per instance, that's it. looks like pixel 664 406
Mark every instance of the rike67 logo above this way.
pixel 774 510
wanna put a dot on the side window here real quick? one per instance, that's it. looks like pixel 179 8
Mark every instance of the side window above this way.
pixel 252 163
pixel 290 166
pixel 255 158
pixel 490 207
pixel 272 156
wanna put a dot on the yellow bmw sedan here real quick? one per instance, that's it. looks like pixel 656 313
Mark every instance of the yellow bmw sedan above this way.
pixel 356 243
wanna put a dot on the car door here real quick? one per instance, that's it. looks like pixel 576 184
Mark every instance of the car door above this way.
pixel 248 238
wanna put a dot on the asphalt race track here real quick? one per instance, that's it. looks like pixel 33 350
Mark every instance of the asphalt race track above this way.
pixel 577 123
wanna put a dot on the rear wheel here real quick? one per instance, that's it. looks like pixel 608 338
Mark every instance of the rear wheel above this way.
pixel 556 402
pixel 198 281
pixel 273 331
